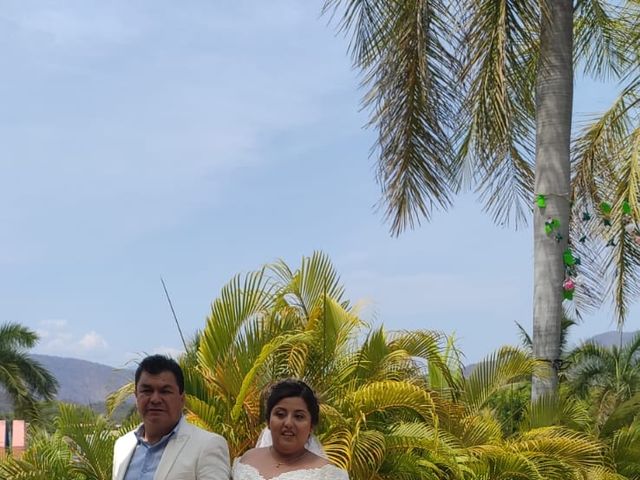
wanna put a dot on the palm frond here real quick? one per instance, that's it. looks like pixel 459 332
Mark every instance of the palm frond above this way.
pixel 239 302
pixel 495 137
pixel 506 366
pixel 598 44
pixel 625 451
pixel 248 381
pixel 550 410
pixel 14 336
pixel 570 448
pixel 389 395
pixel 367 452
pixel 607 170
pixel 91 438
pixel 622 416
pixel 404 50
pixel 119 397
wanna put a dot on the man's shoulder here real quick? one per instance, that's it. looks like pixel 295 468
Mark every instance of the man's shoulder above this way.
pixel 126 441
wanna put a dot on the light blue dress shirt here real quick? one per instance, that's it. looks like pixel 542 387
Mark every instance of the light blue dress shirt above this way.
pixel 146 457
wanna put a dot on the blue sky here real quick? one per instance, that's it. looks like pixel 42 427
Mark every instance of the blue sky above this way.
pixel 196 140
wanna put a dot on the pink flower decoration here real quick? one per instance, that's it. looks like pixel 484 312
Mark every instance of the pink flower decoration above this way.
pixel 569 285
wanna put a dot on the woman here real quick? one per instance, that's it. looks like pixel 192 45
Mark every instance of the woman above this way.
pixel 287 448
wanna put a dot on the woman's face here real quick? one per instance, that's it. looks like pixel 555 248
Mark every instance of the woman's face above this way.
pixel 290 425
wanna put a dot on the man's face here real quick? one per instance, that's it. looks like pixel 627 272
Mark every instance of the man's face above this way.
pixel 159 403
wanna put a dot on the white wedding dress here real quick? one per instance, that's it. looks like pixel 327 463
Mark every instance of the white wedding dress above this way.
pixel 242 471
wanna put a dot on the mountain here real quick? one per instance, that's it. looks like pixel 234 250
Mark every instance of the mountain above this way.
pixel 606 339
pixel 609 339
pixel 84 382
pixel 80 381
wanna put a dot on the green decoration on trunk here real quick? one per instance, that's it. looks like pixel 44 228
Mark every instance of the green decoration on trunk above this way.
pixel 554 223
pixel 567 294
pixel 626 208
pixel 551 225
pixel 541 201
pixel 568 258
pixel 605 208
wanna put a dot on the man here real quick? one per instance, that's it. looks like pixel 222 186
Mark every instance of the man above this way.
pixel 165 446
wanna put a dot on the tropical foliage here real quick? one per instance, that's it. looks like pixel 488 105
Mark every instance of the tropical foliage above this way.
pixel 609 378
pixel 395 405
pixel 80 448
pixel 23 378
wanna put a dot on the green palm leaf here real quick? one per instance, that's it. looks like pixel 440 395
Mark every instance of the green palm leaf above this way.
pixel 506 366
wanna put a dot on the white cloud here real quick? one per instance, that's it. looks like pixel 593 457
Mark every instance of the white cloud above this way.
pixel 131 359
pixel 57 338
pixel 92 341
pixel 54 323
pixel 169 351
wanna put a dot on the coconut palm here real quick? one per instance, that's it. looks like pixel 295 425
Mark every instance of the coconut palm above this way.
pixel 511 65
pixel 23 378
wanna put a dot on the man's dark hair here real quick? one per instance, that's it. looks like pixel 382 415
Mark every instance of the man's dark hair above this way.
pixel 293 388
pixel 155 364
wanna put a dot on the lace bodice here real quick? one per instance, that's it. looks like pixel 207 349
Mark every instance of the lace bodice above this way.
pixel 242 471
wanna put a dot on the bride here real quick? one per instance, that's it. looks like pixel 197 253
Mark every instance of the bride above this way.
pixel 287 448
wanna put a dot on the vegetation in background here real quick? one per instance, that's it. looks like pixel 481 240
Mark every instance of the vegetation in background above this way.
pixel 395 405
pixel 23 378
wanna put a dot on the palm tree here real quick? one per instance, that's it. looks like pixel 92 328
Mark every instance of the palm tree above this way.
pixel 511 65
pixel 625 451
pixel 24 379
pixel 277 322
pixel 80 448
pixel 609 377
pixel 394 404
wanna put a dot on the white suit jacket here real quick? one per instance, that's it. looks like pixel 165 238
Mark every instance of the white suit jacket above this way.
pixel 190 454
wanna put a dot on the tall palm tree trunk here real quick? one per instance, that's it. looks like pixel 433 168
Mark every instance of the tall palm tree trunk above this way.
pixel 554 101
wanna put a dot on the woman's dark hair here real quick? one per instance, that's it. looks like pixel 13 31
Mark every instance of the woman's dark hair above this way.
pixel 155 364
pixel 293 388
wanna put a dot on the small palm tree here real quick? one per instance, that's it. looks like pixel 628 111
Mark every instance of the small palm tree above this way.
pixel 80 448
pixel 625 451
pixel 608 376
pixel 24 379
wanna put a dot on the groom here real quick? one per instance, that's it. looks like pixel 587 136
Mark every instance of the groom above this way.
pixel 165 446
